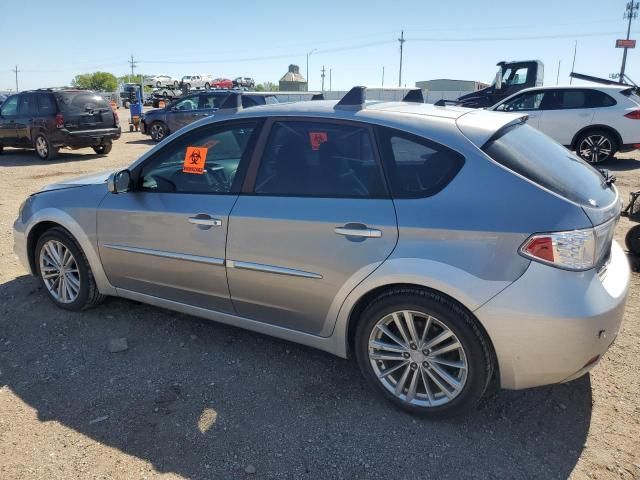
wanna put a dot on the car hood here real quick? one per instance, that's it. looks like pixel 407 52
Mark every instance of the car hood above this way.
pixel 93 179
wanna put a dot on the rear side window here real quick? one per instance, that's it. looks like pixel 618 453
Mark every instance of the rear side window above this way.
pixel 596 98
pixel 415 166
pixel 81 102
pixel 318 159
pixel 211 101
pixel 535 156
pixel 27 104
pixel 576 98
pixel 46 105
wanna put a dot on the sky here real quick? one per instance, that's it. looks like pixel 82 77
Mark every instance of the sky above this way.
pixel 51 42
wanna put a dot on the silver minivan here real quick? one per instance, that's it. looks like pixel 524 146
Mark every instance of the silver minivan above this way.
pixel 445 249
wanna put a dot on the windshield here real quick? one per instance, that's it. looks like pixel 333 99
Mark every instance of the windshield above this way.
pixel 530 153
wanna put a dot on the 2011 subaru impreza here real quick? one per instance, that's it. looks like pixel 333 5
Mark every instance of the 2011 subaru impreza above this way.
pixel 443 248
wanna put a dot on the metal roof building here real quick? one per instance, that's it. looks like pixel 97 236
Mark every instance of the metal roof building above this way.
pixel 293 81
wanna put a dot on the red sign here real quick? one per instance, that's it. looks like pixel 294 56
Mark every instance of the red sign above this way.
pixel 194 159
pixel 317 139
pixel 621 43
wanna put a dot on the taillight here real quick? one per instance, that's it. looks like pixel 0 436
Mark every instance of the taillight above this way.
pixel 633 115
pixel 574 250
pixel 59 120
pixel 116 120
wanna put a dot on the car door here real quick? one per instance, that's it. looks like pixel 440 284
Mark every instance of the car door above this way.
pixel 166 237
pixel 183 112
pixel 565 112
pixel 527 102
pixel 27 111
pixel 8 114
pixel 314 220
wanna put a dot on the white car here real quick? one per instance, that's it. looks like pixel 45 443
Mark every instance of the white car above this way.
pixel 596 122
pixel 197 81
pixel 159 81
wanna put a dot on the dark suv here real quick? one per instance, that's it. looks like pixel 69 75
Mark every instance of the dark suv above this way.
pixel 163 121
pixel 47 120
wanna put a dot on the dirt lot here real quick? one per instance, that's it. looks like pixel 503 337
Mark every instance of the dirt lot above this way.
pixel 192 399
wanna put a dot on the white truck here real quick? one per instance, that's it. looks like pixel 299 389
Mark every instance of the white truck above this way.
pixel 196 82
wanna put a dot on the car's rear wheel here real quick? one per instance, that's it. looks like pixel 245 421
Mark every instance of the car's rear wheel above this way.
pixel 158 131
pixel 207 86
pixel 44 149
pixel 64 271
pixel 632 240
pixel 596 146
pixel 423 352
pixel 158 84
pixel 103 149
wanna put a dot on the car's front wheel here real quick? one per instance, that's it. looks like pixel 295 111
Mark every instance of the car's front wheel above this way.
pixel 158 131
pixel 423 352
pixel 632 240
pixel 596 146
pixel 44 149
pixel 64 271
pixel 103 149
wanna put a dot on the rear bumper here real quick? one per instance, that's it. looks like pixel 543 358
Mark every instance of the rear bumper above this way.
pixel 628 147
pixel 81 138
pixel 550 325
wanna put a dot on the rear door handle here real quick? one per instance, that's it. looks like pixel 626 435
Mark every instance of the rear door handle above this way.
pixel 206 220
pixel 358 230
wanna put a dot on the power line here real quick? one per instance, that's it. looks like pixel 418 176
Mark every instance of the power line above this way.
pixel 498 39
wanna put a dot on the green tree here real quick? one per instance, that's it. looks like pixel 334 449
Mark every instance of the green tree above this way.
pixel 100 81
pixel 267 87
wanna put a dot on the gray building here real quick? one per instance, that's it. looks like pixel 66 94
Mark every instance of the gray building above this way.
pixel 449 85
pixel 293 81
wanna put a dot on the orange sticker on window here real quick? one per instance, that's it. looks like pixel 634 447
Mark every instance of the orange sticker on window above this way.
pixel 317 139
pixel 194 160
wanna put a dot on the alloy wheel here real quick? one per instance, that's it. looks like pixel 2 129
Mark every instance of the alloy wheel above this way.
pixel 42 147
pixel 595 148
pixel 59 271
pixel 417 358
pixel 158 132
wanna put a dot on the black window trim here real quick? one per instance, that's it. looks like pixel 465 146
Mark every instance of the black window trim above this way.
pixel 384 133
pixel 238 180
pixel 582 89
pixel 256 160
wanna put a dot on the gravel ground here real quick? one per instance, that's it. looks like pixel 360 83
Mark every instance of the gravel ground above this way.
pixel 193 399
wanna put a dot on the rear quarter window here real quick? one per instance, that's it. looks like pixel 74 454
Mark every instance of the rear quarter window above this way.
pixel 532 154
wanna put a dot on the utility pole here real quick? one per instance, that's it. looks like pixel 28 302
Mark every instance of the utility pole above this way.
pixel 401 40
pixel 558 74
pixel 308 54
pixel 330 70
pixel 573 65
pixel 133 66
pixel 383 75
pixel 323 70
pixel 631 12
pixel 15 70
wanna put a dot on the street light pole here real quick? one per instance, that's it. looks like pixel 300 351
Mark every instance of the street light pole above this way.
pixel 308 54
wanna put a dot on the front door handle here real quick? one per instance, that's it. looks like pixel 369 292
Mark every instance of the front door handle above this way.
pixel 358 230
pixel 206 220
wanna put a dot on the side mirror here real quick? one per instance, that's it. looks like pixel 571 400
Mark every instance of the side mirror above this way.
pixel 119 182
pixel 499 80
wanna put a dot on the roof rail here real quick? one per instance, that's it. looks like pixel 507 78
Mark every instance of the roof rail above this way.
pixel 353 100
pixel 231 104
pixel 318 96
pixel 414 95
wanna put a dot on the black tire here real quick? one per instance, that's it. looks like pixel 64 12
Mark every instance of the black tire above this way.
pixel 592 145
pixel 103 149
pixel 1 149
pixel 207 86
pixel 632 240
pixel 158 131
pixel 478 353
pixel 44 149
pixel 158 84
pixel 88 295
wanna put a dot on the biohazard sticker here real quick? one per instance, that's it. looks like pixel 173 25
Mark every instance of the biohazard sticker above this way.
pixel 317 139
pixel 194 160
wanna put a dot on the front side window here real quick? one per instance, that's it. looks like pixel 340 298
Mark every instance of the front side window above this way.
pixel 319 159
pixel 522 102
pixel 186 104
pixel 10 106
pixel 415 166
pixel 520 76
pixel 203 161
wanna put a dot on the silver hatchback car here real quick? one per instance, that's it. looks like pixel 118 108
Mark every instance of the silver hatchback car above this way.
pixel 447 249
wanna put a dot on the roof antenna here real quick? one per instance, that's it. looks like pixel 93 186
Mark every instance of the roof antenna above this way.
pixel 231 104
pixel 414 95
pixel 353 100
